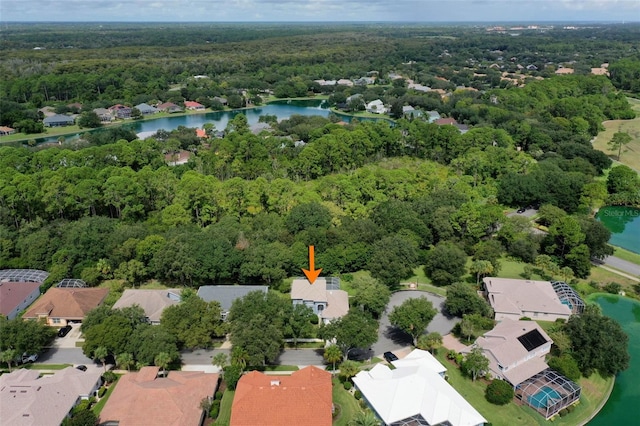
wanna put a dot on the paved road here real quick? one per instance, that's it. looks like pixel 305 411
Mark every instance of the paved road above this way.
pixel 391 339
pixel 64 356
pixel 287 357
pixel 623 265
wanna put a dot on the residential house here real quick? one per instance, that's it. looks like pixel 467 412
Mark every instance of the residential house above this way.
pixel 168 107
pixel 418 87
pixel 222 100
pixel 153 302
pixel 177 158
pixel 448 121
pixel 76 106
pixel 201 133
pixel 47 111
pixel 415 393
pixel 514 299
pixel 227 294
pixel 194 106
pixel 146 109
pixel 516 350
pixel 258 128
pixel 410 112
pixel 600 71
pixel 4 130
pixel 532 67
pixel 323 296
pixel 322 82
pixel 120 111
pixel 16 297
pixel 564 71
pixel 364 81
pixel 433 116
pixel 303 398
pixel 376 107
pixel 60 306
pixel 103 114
pixel 345 82
pixel 58 120
pixel 143 398
pixel 26 399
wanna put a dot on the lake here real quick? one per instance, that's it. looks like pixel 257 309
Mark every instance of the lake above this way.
pixel 622 406
pixel 624 224
pixel 281 109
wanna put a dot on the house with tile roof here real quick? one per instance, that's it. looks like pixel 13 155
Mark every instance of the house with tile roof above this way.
pixel 153 302
pixel 303 398
pixel 177 158
pixel 16 297
pixel 323 296
pixel 4 130
pixel 103 114
pixel 415 393
pixel 58 120
pixel 143 398
pixel 168 107
pixel 59 306
pixel 516 350
pixel 120 111
pixel 192 105
pixel 26 399
pixel 227 294
pixel 514 299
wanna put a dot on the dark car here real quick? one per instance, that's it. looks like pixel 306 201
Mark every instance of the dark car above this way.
pixel 390 356
pixel 522 209
pixel 64 331
pixel 82 367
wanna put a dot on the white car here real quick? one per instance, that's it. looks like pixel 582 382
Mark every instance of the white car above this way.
pixel 29 358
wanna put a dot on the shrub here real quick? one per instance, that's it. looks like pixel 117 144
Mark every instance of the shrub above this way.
pixel 219 395
pixel 566 365
pixel 563 412
pixel 109 377
pixel 499 392
pixel 215 410
pixel 451 354
pixel 357 394
pixel 102 391
pixel 347 385
pixel 613 288
pixel 570 408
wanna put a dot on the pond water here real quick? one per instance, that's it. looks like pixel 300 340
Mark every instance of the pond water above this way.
pixel 624 224
pixel 281 109
pixel 622 406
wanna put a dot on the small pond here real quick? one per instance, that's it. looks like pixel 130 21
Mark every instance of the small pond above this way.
pixel 624 224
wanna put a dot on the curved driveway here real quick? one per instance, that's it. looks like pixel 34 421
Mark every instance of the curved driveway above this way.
pixel 390 338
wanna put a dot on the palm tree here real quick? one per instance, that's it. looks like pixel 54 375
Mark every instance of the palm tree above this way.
pixel 481 268
pixel 125 360
pixel 430 341
pixel 163 360
pixel 332 354
pixel 8 356
pixel 364 418
pixel 239 357
pixel 101 353
pixel 220 360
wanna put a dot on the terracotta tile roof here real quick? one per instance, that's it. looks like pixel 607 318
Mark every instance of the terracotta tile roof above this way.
pixel 68 303
pixel 142 399
pixel 13 293
pixel 304 398
pixel 445 121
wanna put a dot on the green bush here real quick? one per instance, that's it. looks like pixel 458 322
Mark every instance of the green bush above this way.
pixel 102 391
pixel 566 365
pixel 563 412
pixel 218 395
pixel 613 288
pixel 347 385
pixel 214 410
pixel 109 377
pixel 357 394
pixel 499 392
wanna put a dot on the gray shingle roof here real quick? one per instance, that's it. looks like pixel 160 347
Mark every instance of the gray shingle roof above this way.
pixel 226 294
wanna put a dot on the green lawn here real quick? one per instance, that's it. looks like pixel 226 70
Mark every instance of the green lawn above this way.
pixel 627 255
pixel 347 403
pixel 224 416
pixel 45 366
pixel 594 391
pixel 100 405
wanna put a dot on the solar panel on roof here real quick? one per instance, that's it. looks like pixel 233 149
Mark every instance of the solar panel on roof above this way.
pixel 532 340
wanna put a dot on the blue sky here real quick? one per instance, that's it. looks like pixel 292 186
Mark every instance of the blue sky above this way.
pixel 320 10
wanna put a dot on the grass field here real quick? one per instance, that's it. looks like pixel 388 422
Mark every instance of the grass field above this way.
pixel 224 416
pixel 347 403
pixel 594 390
pixel 45 366
pixel 627 255
pixel 100 405
pixel 631 152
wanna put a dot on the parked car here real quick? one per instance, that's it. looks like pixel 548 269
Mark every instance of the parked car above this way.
pixel 390 356
pixel 522 209
pixel 29 358
pixel 81 367
pixel 64 331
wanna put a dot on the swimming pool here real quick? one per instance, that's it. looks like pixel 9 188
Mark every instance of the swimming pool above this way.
pixel 542 397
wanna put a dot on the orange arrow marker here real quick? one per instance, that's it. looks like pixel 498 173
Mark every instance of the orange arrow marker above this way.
pixel 312 273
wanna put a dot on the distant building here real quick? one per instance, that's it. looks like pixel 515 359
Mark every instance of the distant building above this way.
pixel 58 120
pixel 59 306
pixel 103 114
pixel 168 107
pixel 146 109
pixel 120 111
pixel 376 107
pixel 4 130
pixel 16 297
pixel 194 106
pixel 227 294
pixel 153 302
